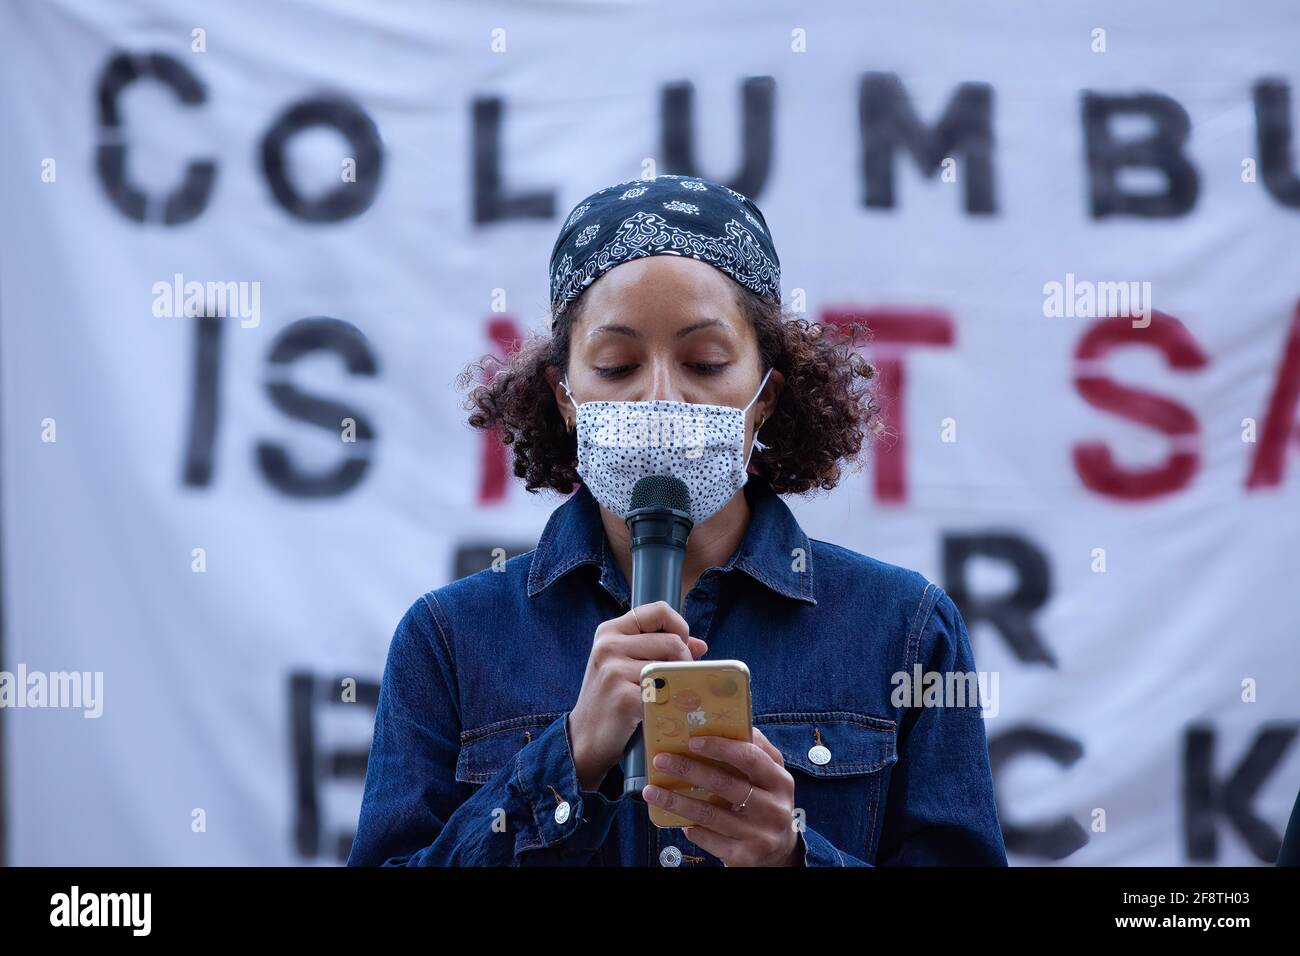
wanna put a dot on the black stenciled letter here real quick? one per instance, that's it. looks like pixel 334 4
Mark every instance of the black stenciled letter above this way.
pixel 1054 839
pixel 887 121
pixel 1204 796
pixel 1273 130
pixel 302 337
pixel 1012 614
pixel 757 95
pixel 190 198
pixel 346 200
pixel 1161 151
pixel 492 203
pixel 199 450
pixel 315 764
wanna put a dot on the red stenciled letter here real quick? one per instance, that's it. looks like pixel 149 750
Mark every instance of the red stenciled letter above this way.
pixel 893 330
pixel 506 338
pixel 1280 419
pixel 1093 460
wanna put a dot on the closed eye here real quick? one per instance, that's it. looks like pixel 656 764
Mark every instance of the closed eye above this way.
pixel 704 368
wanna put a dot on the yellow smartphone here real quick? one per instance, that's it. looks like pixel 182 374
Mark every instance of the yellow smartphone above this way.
pixel 685 699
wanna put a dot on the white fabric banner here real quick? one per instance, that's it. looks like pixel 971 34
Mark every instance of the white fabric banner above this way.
pixel 373 191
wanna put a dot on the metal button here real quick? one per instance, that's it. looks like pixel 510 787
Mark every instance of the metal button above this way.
pixel 562 812
pixel 670 856
pixel 819 755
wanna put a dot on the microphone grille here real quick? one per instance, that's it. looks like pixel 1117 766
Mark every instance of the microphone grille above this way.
pixel 661 491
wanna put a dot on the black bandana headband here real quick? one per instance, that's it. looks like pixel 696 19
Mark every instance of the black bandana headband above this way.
pixel 667 215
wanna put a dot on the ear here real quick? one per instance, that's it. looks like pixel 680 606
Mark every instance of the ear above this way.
pixel 562 400
pixel 766 403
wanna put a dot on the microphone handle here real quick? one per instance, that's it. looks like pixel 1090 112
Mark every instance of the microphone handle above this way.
pixel 656 576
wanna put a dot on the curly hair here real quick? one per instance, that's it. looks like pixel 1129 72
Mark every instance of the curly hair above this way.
pixel 819 422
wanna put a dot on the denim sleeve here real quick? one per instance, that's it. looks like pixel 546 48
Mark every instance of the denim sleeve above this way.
pixel 818 851
pixel 941 808
pixel 415 812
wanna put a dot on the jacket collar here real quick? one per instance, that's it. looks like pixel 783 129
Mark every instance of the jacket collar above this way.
pixel 774 551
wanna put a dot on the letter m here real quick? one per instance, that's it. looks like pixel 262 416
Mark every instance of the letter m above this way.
pixel 887 121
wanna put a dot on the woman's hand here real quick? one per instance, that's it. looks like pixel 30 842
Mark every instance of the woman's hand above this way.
pixel 609 705
pixel 761 834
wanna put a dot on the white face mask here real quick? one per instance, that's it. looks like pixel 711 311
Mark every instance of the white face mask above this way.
pixel 619 443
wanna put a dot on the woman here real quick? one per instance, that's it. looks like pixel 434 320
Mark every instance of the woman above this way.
pixel 508 696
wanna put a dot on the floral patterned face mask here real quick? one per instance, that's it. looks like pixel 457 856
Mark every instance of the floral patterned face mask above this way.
pixel 619 443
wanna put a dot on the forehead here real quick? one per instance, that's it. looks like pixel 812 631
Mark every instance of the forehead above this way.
pixel 663 293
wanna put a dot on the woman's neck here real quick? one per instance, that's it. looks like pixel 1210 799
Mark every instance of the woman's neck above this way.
pixel 711 543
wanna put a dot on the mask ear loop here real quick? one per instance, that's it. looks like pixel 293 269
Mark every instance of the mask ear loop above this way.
pixel 564 384
pixel 756 444
pixel 761 386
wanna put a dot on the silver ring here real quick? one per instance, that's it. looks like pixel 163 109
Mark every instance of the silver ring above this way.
pixel 638 621
pixel 740 806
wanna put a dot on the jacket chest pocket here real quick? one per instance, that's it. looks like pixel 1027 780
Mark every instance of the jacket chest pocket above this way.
pixel 839 761
pixel 485 750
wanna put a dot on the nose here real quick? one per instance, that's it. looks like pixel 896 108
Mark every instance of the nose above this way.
pixel 663 382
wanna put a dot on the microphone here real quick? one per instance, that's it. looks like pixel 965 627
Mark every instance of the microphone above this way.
pixel 659 524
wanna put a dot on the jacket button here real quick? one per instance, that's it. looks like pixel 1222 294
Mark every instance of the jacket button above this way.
pixel 562 812
pixel 670 856
pixel 819 755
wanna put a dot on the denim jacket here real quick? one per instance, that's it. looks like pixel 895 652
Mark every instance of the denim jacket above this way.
pixel 471 761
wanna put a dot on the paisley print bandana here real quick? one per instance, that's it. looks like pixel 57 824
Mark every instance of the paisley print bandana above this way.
pixel 666 215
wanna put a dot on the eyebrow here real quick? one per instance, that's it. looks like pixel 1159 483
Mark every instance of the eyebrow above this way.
pixel 627 330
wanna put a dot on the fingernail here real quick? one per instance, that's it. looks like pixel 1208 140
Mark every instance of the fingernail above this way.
pixel 695 743
pixel 651 793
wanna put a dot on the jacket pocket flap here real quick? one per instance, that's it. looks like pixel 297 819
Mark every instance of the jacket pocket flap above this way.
pixel 483 752
pixel 851 743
